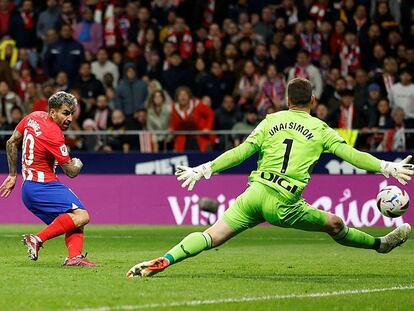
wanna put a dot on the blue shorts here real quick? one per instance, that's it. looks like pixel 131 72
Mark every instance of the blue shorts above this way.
pixel 49 200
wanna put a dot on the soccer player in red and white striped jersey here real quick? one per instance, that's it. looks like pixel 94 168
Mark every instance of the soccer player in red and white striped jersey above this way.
pixel 43 194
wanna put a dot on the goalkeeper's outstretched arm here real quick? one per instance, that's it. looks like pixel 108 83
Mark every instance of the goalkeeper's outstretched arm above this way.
pixel 402 170
pixel 233 157
pixel 189 176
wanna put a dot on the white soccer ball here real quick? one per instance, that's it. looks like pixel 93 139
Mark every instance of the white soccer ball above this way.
pixel 392 201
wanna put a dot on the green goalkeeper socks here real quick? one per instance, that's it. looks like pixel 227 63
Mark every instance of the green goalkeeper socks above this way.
pixel 191 245
pixel 355 238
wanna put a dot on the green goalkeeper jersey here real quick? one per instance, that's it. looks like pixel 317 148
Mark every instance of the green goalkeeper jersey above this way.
pixel 289 145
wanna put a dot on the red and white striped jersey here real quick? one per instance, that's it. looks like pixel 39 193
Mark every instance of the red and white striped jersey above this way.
pixel 43 147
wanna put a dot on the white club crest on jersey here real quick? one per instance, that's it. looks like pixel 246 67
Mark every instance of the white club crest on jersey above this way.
pixel 64 150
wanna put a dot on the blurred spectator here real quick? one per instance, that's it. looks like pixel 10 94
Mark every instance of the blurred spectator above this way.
pixel 91 142
pixel 16 115
pixel 155 85
pixel 118 141
pixel 402 94
pixel 377 60
pixel 158 119
pixel 6 8
pixel 321 112
pixel 9 51
pixel 47 18
pixel 396 138
pixel 374 94
pixel 215 84
pixel 51 37
pixel 250 121
pixel 271 91
pixel 384 120
pixel 8 100
pixel 265 27
pixel 6 73
pixel 349 54
pixel 373 37
pixel 381 14
pixel 41 104
pixel 320 10
pixel 64 55
pixel 101 113
pixel 144 141
pixel 88 85
pixel 347 115
pixel 181 37
pixel 247 87
pixel 361 87
pixel 227 115
pixel 153 66
pixel 388 77
pixel 67 16
pixel 311 41
pixel 131 92
pixel 22 26
pixel 88 33
pixel 290 11
pixel 62 82
pixel 141 23
pixel 288 53
pixel 360 22
pixel 31 96
pixel 178 74
pixel 189 114
pixel 260 57
pixel 304 69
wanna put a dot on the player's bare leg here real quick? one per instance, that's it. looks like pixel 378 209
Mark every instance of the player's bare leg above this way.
pixel 352 237
pixel 190 246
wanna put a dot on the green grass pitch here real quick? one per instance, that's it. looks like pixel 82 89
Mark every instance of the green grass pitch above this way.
pixel 264 268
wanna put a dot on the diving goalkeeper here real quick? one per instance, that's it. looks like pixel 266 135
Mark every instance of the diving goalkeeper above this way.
pixel 289 144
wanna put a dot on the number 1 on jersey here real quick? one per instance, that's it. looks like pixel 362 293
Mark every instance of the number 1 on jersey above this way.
pixel 288 142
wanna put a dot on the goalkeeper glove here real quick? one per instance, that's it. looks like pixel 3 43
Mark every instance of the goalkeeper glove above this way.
pixel 402 170
pixel 190 175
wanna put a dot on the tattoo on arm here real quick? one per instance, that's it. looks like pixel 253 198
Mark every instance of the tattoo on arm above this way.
pixel 70 169
pixel 12 147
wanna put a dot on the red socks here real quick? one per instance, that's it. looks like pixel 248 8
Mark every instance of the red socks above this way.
pixel 74 242
pixel 62 224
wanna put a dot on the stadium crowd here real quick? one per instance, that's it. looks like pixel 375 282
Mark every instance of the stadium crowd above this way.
pixel 184 65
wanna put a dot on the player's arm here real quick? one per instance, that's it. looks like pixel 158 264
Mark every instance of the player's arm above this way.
pixel 230 158
pixel 335 144
pixel 233 157
pixel 402 170
pixel 12 148
pixel 72 168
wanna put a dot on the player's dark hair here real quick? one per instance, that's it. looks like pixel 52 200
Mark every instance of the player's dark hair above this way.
pixel 299 92
pixel 62 98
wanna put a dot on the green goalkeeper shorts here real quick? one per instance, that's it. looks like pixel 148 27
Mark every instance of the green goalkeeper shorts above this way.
pixel 261 203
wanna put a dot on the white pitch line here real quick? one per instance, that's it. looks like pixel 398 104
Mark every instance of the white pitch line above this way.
pixel 249 299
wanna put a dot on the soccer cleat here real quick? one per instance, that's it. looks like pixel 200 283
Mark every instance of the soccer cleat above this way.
pixel 33 245
pixel 79 261
pixel 148 268
pixel 395 238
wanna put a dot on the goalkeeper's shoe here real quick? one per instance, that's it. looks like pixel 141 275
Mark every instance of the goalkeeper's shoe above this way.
pixel 395 238
pixel 33 244
pixel 79 261
pixel 148 268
